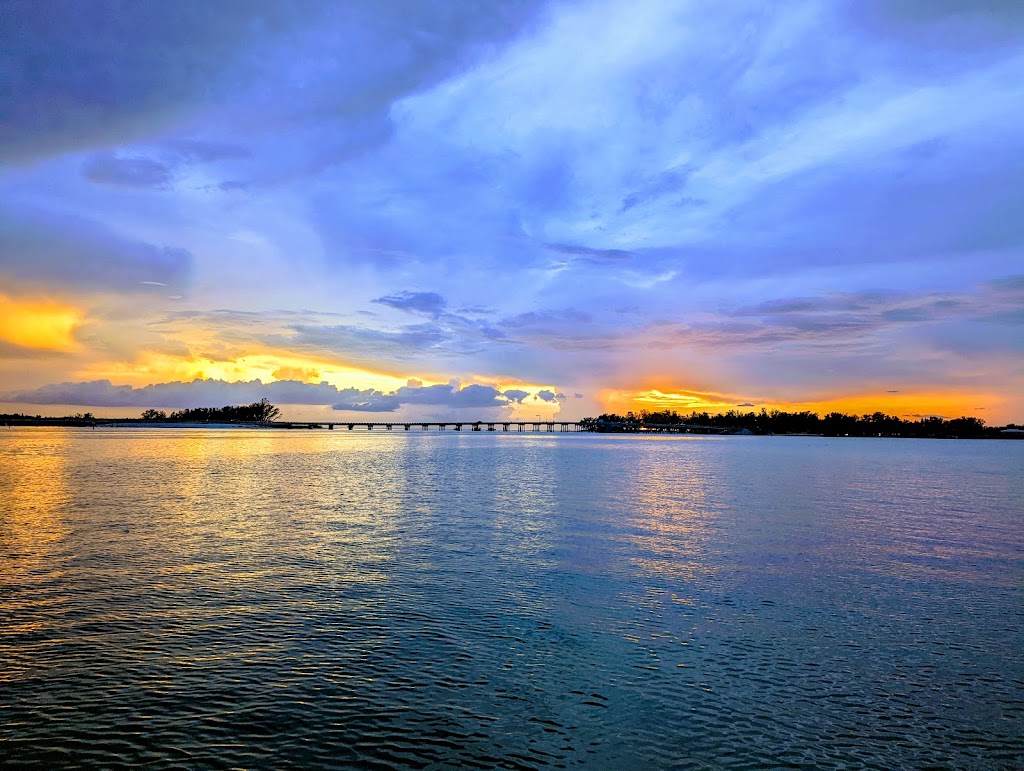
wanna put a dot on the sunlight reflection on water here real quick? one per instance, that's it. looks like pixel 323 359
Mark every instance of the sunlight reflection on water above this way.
pixel 274 598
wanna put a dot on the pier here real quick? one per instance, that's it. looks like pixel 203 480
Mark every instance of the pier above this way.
pixel 518 426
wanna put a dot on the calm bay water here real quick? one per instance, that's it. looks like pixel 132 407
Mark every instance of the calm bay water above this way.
pixel 203 598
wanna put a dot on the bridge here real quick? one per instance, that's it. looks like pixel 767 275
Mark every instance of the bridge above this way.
pixel 518 426
pixel 545 426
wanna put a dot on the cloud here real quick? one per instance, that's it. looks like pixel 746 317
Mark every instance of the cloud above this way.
pixel 594 255
pixel 746 404
pixel 934 29
pixel 82 77
pixel 213 393
pixel 516 395
pixel 668 182
pixel 297 373
pixel 350 340
pixel 850 319
pixel 197 393
pixel 470 397
pixel 65 250
pixel 9 350
pixel 428 303
pixel 375 402
pixel 109 169
pixel 205 151
pixel 562 330
pixel 447 338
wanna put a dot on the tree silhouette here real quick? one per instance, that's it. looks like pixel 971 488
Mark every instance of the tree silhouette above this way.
pixel 257 412
pixel 778 422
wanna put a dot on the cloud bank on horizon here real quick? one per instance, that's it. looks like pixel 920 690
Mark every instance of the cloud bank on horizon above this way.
pixel 659 204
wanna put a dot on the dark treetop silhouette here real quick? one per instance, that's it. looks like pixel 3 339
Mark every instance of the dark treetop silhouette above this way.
pixel 257 412
pixel 778 422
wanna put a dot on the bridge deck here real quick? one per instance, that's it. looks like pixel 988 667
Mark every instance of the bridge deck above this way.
pixel 546 426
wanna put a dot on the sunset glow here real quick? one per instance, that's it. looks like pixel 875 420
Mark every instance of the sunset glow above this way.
pixel 39 325
pixel 911 405
pixel 538 208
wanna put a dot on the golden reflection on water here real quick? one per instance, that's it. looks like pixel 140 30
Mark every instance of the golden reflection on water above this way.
pixel 34 480
pixel 33 529
pixel 260 496
pixel 672 508
pixel 522 493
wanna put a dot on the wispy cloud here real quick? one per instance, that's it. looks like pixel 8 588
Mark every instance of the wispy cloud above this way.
pixel 429 303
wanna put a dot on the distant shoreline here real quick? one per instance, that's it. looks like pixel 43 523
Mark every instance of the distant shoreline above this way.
pixel 537 427
pixel 115 423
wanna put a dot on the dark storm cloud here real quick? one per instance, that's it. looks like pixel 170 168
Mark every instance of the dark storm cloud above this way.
pixel 84 74
pixel 64 250
pixel 78 75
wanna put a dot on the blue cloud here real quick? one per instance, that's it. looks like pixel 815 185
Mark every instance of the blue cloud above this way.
pixel 108 169
pixel 43 247
pixel 428 303
pixel 213 393
pixel 91 76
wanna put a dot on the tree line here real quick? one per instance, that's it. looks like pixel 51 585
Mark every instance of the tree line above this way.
pixel 806 422
pixel 257 412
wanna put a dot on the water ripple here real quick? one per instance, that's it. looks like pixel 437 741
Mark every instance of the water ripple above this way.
pixel 186 599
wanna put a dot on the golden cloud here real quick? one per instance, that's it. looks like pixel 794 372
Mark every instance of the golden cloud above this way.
pixel 39 324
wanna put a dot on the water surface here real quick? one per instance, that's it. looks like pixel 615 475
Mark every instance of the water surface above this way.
pixel 193 598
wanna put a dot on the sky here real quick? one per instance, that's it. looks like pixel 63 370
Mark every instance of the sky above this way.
pixel 390 209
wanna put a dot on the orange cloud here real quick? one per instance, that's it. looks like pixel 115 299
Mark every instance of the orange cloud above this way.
pixel 909 404
pixel 905 404
pixel 44 325
pixel 309 375
pixel 151 367
pixel 656 399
